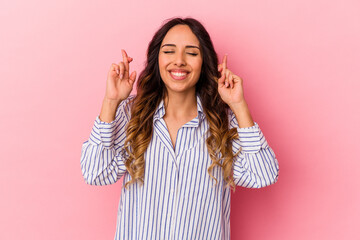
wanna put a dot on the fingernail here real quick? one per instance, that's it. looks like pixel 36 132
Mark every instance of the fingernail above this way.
pixel 121 76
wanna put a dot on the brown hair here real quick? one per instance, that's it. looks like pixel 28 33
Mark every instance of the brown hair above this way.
pixel 151 90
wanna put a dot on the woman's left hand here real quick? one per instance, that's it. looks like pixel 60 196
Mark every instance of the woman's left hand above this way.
pixel 230 86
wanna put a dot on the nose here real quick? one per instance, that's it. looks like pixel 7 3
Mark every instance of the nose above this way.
pixel 180 59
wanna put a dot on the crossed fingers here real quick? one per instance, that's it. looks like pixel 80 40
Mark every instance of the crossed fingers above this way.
pixel 227 78
pixel 123 69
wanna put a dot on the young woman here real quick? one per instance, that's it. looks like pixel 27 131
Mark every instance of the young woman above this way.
pixel 180 143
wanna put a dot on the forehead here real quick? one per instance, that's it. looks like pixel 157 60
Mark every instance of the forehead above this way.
pixel 181 35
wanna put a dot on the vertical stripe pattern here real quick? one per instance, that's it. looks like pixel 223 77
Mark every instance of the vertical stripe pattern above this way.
pixel 178 199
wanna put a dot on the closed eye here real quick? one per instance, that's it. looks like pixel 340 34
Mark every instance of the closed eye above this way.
pixel 193 54
pixel 168 51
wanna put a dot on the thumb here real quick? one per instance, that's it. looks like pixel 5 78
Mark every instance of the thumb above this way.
pixel 220 66
pixel 132 77
pixel 221 80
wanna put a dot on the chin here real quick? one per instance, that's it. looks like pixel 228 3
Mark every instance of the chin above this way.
pixel 180 89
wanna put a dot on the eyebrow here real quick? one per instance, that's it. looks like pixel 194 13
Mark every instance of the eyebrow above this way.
pixel 173 45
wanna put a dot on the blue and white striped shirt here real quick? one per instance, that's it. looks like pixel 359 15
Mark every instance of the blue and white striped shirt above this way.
pixel 178 199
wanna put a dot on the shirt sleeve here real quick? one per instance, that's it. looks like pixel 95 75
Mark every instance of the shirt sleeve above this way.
pixel 103 154
pixel 255 165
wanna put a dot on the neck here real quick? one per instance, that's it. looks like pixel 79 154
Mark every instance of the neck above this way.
pixel 181 105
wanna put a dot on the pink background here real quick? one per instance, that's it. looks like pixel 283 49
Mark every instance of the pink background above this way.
pixel 300 61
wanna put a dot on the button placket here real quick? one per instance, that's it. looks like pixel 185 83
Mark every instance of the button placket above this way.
pixel 174 197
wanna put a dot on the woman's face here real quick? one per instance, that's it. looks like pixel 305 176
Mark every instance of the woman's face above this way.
pixel 180 60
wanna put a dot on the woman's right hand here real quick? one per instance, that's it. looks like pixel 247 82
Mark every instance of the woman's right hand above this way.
pixel 119 83
pixel 118 87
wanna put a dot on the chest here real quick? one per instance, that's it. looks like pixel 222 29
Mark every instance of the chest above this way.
pixel 178 137
pixel 174 128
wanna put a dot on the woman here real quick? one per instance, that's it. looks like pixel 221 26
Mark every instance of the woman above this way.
pixel 180 143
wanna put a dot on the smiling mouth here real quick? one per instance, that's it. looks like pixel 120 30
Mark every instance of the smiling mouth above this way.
pixel 178 75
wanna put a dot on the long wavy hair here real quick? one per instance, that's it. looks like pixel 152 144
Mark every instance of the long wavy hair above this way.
pixel 151 90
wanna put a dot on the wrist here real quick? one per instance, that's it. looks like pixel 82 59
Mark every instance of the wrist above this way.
pixel 112 103
pixel 108 110
pixel 242 114
pixel 239 106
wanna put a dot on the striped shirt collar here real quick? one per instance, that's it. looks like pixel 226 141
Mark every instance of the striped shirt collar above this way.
pixel 160 112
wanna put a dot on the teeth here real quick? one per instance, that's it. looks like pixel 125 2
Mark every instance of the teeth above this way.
pixel 178 74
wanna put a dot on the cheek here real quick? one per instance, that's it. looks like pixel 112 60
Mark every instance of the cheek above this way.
pixel 162 67
pixel 163 62
pixel 198 66
pixel 160 61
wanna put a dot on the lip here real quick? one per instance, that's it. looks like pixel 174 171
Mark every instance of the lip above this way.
pixel 178 74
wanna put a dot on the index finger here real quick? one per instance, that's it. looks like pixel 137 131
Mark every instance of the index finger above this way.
pixel 125 60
